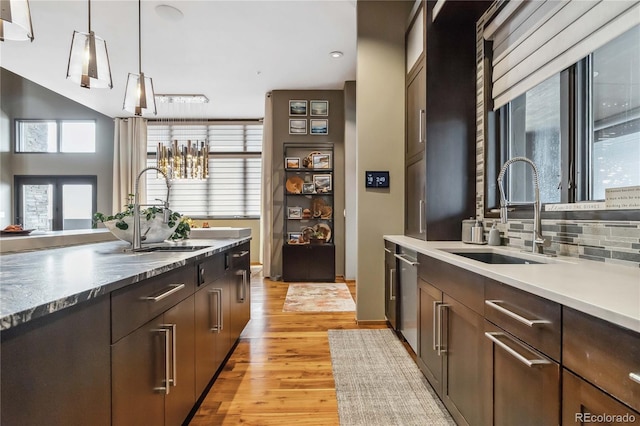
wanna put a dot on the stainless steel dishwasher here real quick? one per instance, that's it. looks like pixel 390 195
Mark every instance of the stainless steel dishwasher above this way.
pixel 408 267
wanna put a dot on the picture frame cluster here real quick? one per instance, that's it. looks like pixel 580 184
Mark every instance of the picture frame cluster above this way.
pixel 313 108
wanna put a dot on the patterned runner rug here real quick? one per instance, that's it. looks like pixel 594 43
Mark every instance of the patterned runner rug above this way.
pixel 377 382
pixel 318 297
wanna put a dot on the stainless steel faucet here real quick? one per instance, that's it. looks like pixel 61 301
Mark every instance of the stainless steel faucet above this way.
pixel 136 244
pixel 539 241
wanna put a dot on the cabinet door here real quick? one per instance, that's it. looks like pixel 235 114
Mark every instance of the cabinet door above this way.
pixel 523 384
pixel 416 110
pixel 139 375
pixel 295 263
pixel 390 285
pixel 415 198
pixel 429 360
pixel 181 398
pixel 463 338
pixel 321 263
pixel 583 402
pixel 56 370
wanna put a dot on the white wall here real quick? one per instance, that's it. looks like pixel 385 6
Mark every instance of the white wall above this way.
pixel 380 103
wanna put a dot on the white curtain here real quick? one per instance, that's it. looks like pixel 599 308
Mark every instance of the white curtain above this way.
pixel 266 214
pixel 129 158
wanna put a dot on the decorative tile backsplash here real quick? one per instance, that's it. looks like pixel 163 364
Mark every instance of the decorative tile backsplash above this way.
pixel 616 242
pixel 610 242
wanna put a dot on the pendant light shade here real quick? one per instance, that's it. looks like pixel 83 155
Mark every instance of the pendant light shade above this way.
pixel 89 61
pixel 15 20
pixel 139 97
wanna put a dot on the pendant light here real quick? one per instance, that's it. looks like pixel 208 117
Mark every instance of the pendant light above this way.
pixel 139 97
pixel 89 60
pixel 15 20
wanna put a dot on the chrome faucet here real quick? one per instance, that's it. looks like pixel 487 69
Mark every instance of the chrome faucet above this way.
pixel 136 243
pixel 538 240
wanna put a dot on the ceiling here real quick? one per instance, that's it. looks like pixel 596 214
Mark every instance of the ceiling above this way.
pixel 234 52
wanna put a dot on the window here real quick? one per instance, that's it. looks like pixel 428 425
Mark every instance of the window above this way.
pixel 54 203
pixel 235 164
pixel 50 136
pixel 581 128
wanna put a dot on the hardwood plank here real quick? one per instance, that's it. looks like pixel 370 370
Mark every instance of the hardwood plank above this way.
pixel 280 372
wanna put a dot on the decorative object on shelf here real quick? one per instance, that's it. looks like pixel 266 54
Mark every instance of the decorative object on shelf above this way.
pixel 306 213
pixel 307 162
pixel 295 238
pixel 139 96
pixel 321 161
pixel 322 229
pixel 297 107
pixel 294 185
pixel 294 213
pixel 319 208
pixel 292 163
pixel 184 160
pixel 88 60
pixel 322 183
pixel 297 127
pixel 319 127
pixel 15 21
pixel 308 188
pixel 319 108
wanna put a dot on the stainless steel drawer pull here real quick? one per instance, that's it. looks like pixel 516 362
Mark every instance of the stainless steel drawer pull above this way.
pixel 421 126
pixel 174 364
pixel 165 388
pixel 440 346
pixel 635 377
pixel 241 254
pixel 436 327
pixel 387 250
pixel 528 362
pixel 410 261
pixel 392 275
pixel 217 327
pixel 173 288
pixel 243 286
pixel 531 323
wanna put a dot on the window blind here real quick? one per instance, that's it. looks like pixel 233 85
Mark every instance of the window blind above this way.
pixel 533 40
pixel 235 164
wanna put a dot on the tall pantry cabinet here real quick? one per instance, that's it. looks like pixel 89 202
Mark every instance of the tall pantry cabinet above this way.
pixel 440 118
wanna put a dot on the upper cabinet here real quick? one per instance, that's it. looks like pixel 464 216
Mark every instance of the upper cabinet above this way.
pixel 415 39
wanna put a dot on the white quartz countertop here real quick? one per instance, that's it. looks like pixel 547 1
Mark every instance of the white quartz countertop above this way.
pixel 609 292
pixel 39 282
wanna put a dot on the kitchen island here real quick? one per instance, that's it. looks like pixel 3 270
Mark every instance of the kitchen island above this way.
pixel 90 331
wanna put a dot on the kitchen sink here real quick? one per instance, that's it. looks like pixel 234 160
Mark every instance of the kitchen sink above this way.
pixel 495 258
pixel 171 249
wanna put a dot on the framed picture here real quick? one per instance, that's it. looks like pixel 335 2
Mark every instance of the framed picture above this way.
pixel 308 188
pixel 321 161
pixel 322 183
pixel 294 237
pixel 297 127
pixel 319 108
pixel 292 163
pixel 294 213
pixel 298 108
pixel 319 127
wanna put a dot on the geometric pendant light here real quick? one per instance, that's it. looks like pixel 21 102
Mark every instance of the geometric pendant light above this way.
pixel 15 20
pixel 89 60
pixel 139 97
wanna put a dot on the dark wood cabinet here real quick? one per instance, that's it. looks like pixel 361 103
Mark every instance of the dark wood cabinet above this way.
pixel 429 359
pixel 583 403
pixel 56 369
pixel 240 290
pixel 390 285
pixel 416 110
pixel 308 262
pixel 415 199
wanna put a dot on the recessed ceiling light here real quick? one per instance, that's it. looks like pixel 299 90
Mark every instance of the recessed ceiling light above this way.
pixel 169 13
pixel 336 54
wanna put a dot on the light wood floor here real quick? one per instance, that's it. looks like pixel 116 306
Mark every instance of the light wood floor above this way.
pixel 280 372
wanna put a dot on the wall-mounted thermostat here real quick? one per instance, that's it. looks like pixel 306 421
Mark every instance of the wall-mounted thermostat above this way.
pixel 376 179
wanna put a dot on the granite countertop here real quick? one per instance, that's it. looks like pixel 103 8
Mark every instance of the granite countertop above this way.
pixel 609 292
pixel 37 283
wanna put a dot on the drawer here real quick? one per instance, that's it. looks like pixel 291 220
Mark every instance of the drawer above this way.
pixel 604 354
pixel 532 319
pixel 465 286
pixel 582 401
pixel 240 256
pixel 211 269
pixel 136 304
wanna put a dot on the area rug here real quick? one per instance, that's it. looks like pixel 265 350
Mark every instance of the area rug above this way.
pixel 318 297
pixel 377 382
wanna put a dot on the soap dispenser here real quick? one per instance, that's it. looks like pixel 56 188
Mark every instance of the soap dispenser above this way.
pixel 477 233
pixel 494 236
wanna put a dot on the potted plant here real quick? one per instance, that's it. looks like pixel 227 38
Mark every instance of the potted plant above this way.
pixel 317 237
